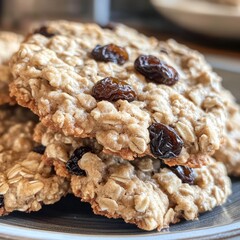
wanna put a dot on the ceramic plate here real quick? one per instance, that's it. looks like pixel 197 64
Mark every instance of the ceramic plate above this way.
pixel 71 219
pixel 202 17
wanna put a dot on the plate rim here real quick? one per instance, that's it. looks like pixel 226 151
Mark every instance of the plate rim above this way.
pixel 226 230
pixel 220 11
pixel 189 16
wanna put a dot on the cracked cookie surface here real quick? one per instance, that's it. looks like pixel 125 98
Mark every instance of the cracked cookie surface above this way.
pixel 9 44
pixel 26 182
pixel 54 76
pixel 143 191
pixel 142 194
pixel 229 152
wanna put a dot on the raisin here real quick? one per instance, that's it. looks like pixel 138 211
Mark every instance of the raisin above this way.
pixel 110 53
pixel 1 200
pixel 164 141
pixel 163 164
pixel 72 163
pixel 186 174
pixel 44 31
pixel 39 149
pixel 111 89
pixel 156 70
pixel 110 26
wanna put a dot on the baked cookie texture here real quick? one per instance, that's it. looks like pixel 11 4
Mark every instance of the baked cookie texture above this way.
pixel 54 76
pixel 229 152
pixel 26 182
pixel 148 200
pixel 9 44
pixel 144 191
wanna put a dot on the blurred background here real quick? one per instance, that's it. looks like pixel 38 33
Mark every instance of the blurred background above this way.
pixel 177 18
pixel 18 13
pixel 210 26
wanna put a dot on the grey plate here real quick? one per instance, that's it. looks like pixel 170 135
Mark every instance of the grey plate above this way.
pixel 71 219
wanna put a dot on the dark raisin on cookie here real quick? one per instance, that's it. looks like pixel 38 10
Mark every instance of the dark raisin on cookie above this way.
pixel 1 201
pixel 156 70
pixel 110 53
pixel 39 149
pixel 163 164
pixel 44 31
pixel 72 164
pixel 185 173
pixel 110 26
pixel 164 141
pixel 111 89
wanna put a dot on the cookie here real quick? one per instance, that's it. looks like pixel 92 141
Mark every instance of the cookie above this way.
pixel 119 189
pixel 229 152
pixel 145 191
pixel 26 183
pixel 9 44
pixel 81 84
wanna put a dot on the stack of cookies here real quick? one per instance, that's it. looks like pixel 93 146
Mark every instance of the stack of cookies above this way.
pixel 26 182
pixel 141 129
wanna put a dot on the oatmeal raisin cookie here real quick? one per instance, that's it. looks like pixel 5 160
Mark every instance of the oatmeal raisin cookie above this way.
pixel 26 182
pixel 113 85
pixel 145 191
